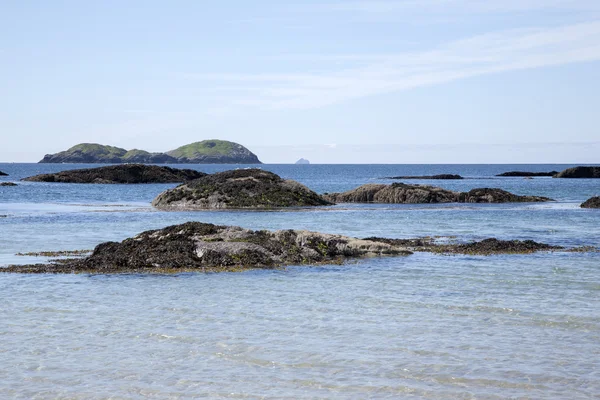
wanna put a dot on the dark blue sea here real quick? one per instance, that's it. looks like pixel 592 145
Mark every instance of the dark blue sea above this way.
pixel 423 326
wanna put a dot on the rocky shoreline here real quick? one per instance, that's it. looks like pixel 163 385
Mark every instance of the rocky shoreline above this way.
pixel 401 193
pixel 121 174
pixel 201 247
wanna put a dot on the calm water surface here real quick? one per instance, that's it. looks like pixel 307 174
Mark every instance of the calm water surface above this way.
pixel 423 326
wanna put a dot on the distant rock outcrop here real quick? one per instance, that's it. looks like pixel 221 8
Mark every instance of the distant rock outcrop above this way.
pixel 8 184
pixel 527 174
pixel 128 173
pixel 244 188
pixel 593 202
pixel 303 161
pixel 579 172
pixel 400 193
pixel 441 176
pixel 3 173
pixel 204 152
pixel 196 246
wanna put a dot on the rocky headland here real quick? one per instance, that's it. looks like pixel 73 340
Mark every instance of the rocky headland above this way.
pixel 435 177
pixel 593 202
pixel 579 172
pixel 204 152
pixel 527 174
pixel 401 193
pixel 127 173
pixel 238 189
pixel 196 246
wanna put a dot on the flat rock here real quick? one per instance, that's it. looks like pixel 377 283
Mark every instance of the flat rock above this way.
pixel 438 177
pixel 126 173
pixel 8 184
pixel 593 202
pixel 401 193
pixel 196 246
pixel 527 174
pixel 238 189
pixel 579 172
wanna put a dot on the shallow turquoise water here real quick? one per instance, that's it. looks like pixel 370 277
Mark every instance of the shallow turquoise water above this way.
pixel 423 326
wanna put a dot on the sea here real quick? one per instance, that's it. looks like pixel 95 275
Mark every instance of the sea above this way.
pixel 424 326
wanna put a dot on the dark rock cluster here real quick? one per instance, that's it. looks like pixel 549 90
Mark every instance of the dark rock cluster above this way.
pixel 579 172
pixel 126 173
pixel 593 202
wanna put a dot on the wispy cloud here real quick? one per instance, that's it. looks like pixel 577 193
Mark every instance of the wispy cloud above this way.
pixel 484 54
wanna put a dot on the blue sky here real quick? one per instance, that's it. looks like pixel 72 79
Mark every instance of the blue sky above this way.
pixel 390 81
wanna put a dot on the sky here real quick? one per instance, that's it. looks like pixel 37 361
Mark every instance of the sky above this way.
pixel 355 81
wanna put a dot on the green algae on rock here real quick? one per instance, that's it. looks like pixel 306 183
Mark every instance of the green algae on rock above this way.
pixel 196 246
pixel 127 173
pixel 238 189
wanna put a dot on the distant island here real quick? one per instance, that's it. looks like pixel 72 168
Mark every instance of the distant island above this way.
pixel 303 161
pixel 204 152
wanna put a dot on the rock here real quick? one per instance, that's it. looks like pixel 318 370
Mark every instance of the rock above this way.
pixel 492 195
pixel 303 161
pixel 579 172
pixel 528 174
pixel 441 176
pixel 401 193
pixel 205 152
pixel 196 246
pixel 214 152
pixel 8 184
pixel 593 202
pixel 243 188
pixel 485 247
pixel 3 173
pixel 128 173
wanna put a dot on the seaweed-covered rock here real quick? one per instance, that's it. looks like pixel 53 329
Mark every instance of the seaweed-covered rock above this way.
pixel 244 188
pixel 8 184
pixel 527 174
pixel 593 202
pixel 400 193
pixel 579 172
pixel 127 173
pixel 196 246
pixel 492 195
pixel 484 247
pixel 435 177
pixel 3 173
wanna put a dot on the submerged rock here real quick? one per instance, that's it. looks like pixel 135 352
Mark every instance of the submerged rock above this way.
pixel 127 173
pixel 527 174
pixel 593 202
pixel 441 177
pixel 579 172
pixel 244 188
pixel 196 246
pixel 401 193
pixel 8 184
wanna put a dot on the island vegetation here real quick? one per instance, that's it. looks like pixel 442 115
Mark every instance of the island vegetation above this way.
pixel 204 152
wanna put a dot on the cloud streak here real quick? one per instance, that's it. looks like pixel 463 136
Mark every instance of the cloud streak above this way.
pixel 480 55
